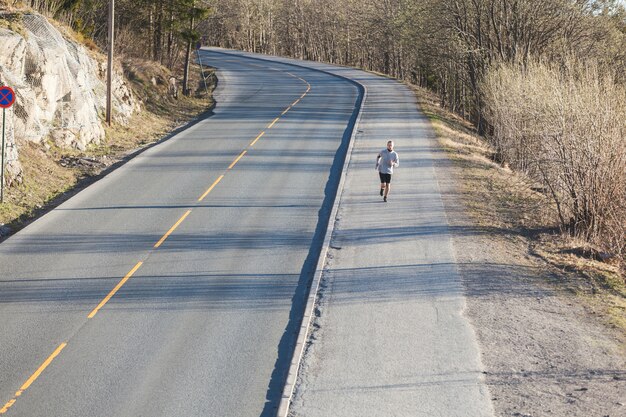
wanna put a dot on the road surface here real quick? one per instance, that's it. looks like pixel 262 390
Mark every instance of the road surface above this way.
pixel 202 323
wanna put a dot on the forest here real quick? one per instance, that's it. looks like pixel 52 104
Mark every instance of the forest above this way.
pixel 543 80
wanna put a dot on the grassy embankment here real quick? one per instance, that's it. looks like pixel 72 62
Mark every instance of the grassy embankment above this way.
pixel 499 199
pixel 52 174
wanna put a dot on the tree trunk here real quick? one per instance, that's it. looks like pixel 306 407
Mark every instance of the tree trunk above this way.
pixel 170 35
pixel 157 54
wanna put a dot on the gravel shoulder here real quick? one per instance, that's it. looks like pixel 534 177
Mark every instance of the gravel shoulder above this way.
pixel 551 338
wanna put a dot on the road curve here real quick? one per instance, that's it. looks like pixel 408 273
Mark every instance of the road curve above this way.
pixel 390 337
pixel 174 285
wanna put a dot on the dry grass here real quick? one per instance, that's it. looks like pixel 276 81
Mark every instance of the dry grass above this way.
pixel 44 179
pixel 504 201
pixel 601 285
pixel 12 21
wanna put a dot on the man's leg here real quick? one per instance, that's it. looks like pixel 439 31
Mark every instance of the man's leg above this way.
pixel 387 189
pixel 382 183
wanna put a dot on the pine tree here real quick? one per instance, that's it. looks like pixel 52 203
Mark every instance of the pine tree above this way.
pixel 192 11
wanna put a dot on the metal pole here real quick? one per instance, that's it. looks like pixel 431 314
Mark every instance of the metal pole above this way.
pixel 202 71
pixel 110 59
pixel 4 112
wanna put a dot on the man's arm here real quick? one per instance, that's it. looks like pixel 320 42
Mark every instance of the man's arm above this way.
pixel 394 162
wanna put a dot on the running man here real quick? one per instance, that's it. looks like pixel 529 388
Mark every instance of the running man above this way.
pixel 386 160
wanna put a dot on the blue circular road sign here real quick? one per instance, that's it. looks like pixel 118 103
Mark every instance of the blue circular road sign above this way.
pixel 7 97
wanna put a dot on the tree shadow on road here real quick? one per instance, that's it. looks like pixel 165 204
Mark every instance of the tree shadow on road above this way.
pixel 287 343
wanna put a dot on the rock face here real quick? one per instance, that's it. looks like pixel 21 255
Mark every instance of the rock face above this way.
pixel 60 90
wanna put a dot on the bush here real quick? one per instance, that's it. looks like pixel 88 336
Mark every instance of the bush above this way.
pixel 565 125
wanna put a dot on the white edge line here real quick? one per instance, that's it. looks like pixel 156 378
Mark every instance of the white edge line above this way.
pixel 294 367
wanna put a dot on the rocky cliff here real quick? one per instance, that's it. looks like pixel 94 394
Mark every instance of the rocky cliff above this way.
pixel 60 89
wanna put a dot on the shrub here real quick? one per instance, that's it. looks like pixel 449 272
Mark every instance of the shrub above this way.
pixel 565 125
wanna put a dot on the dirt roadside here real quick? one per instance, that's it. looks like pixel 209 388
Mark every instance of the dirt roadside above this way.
pixel 550 324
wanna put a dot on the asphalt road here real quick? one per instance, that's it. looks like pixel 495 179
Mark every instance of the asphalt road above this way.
pixel 97 321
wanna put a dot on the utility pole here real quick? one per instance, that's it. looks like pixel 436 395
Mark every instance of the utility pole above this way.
pixel 188 52
pixel 206 88
pixel 110 60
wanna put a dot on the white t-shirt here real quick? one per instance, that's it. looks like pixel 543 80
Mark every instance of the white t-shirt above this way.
pixel 388 160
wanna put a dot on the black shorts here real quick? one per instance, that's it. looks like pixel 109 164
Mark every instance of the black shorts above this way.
pixel 385 178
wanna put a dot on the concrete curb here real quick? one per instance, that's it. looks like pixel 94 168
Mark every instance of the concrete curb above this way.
pixel 298 353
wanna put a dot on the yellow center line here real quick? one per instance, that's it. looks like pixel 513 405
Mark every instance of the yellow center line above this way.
pixel 257 138
pixel 7 406
pixel 33 377
pixel 169 232
pixel 114 290
pixel 254 141
pixel 272 124
pixel 211 187
pixel 237 159
pixel 43 366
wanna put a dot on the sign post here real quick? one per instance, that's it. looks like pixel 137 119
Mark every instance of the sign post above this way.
pixel 7 98
pixel 198 47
